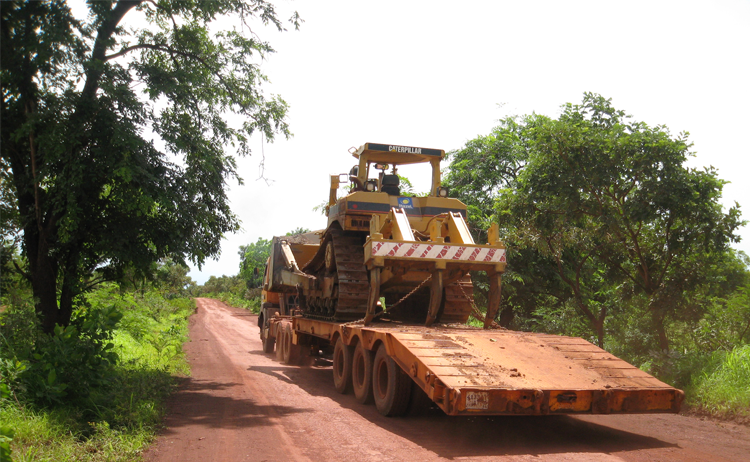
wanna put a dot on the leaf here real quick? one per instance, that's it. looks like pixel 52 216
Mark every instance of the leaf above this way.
pixel 51 377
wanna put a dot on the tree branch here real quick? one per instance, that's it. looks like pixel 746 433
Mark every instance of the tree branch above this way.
pixel 21 271
pixel 173 51
pixel 94 282
pixel 739 342
pixel 103 36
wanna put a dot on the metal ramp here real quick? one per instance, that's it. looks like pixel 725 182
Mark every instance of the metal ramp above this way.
pixel 471 371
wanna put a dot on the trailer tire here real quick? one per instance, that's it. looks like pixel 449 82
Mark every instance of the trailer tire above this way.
pixel 268 341
pixel 362 374
pixel 342 366
pixel 280 343
pixel 291 352
pixel 390 385
pixel 419 403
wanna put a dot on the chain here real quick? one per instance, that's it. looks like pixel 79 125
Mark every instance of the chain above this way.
pixel 476 312
pixel 390 308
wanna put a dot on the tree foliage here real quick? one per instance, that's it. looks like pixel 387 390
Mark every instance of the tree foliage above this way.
pixel 253 259
pixel 253 262
pixel 485 167
pixel 83 101
pixel 605 204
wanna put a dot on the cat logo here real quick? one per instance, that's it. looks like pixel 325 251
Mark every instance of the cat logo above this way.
pixel 405 203
pixel 405 149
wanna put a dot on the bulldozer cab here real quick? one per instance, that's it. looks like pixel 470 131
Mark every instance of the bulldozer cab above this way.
pixel 386 158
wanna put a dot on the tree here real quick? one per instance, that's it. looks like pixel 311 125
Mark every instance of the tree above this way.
pixel 610 201
pixel 479 174
pixel 253 259
pixel 82 100
pixel 253 262
pixel 172 278
pixel 487 166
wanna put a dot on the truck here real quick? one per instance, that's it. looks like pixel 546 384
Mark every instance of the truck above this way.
pixel 386 288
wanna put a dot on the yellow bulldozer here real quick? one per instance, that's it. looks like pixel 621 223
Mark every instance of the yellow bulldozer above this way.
pixel 385 254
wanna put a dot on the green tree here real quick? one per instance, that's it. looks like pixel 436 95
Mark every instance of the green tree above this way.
pixel 253 262
pixel 479 174
pixel 172 278
pixel 610 201
pixel 223 285
pixel 485 167
pixel 722 304
pixel 253 259
pixel 82 101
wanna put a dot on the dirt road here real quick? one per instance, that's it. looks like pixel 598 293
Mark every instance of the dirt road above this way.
pixel 241 405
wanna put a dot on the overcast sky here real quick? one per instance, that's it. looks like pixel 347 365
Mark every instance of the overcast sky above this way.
pixel 437 74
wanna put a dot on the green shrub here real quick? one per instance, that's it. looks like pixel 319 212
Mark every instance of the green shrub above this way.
pixel 19 328
pixel 237 301
pixel 68 364
pixel 679 369
pixel 106 398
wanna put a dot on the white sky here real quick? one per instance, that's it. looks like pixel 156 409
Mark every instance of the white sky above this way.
pixel 437 74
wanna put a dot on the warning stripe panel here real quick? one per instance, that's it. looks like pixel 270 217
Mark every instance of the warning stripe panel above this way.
pixel 438 252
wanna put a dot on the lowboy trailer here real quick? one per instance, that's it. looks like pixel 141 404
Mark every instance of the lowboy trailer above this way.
pixel 471 371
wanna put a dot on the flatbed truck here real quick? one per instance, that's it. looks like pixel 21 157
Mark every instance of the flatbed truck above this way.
pixel 387 262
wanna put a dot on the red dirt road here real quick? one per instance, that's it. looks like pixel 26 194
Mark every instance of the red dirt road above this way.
pixel 241 405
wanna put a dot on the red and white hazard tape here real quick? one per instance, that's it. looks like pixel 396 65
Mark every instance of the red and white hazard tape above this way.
pixel 438 251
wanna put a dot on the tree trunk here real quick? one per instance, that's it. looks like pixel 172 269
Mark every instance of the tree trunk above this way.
pixel 597 323
pixel 506 317
pixel 43 269
pixel 598 326
pixel 657 320
pixel 44 287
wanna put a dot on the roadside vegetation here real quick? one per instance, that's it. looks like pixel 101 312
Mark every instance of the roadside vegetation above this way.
pixel 232 290
pixel 95 389
pixel 116 153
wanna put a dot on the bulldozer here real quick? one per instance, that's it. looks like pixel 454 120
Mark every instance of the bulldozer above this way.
pixel 386 254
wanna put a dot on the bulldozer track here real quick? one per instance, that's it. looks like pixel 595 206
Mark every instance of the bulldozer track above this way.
pixel 351 285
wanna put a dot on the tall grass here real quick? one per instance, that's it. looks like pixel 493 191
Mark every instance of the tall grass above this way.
pixel 118 418
pixel 725 390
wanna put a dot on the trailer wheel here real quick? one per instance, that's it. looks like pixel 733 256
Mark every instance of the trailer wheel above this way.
pixel 291 352
pixel 268 341
pixel 280 343
pixel 419 403
pixel 362 374
pixel 390 385
pixel 342 366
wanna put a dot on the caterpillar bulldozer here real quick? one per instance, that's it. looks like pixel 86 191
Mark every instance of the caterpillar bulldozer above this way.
pixel 384 254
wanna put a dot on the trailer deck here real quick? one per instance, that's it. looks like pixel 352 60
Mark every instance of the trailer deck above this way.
pixel 468 371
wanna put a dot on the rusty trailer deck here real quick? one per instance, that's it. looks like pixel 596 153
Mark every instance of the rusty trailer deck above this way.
pixel 469 371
